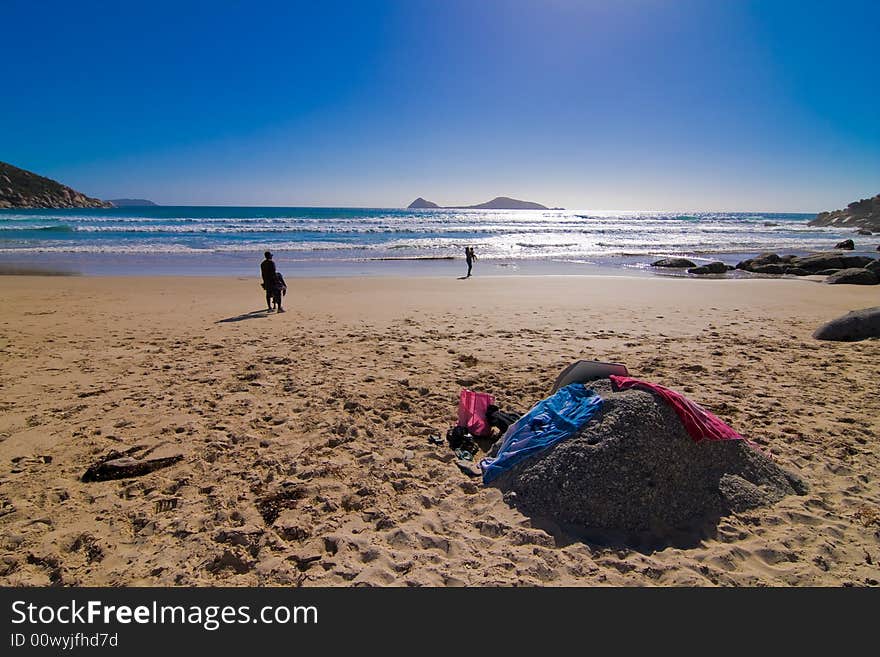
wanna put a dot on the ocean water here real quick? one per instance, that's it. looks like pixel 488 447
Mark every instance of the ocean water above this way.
pixel 357 241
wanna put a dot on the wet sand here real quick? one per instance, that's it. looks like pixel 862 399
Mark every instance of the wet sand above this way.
pixel 304 435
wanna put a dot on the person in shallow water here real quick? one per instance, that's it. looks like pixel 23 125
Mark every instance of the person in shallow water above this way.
pixel 267 269
pixel 470 256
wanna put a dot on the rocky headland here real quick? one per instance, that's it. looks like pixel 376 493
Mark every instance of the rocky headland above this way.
pixel 863 214
pixel 24 189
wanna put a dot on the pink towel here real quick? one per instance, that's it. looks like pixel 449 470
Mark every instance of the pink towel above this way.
pixel 472 412
pixel 699 423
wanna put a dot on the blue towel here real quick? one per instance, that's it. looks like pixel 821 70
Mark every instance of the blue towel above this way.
pixel 551 420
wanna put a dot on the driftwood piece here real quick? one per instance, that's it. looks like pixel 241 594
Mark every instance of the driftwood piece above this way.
pixel 127 466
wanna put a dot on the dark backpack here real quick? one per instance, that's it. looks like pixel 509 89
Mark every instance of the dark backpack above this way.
pixel 499 419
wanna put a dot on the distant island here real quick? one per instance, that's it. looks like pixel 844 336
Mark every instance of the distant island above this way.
pixel 863 214
pixel 497 203
pixel 130 202
pixel 421 204
pixel 24 189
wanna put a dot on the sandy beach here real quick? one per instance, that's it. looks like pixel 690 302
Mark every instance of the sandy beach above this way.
pixel 304 435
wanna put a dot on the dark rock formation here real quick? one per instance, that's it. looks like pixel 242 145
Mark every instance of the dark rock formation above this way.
pixel 131 202
pixel 862 231
pixel 760 261
pixel 863 214
pixel 634 469
pixel 847 245
pixel 769 269
pixel 831 261
pixel 421 204
pixel 497 203
pixel 818 263
pixel 852 327
pixel 853 276
pixel 674 263
pixel 874 266
pixel 711 268
pixel 24 189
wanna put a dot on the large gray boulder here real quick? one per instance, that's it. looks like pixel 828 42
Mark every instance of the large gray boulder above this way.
pixel 856 261
pixel 852 327
pixel 634 468
pixel 673 263
pixel 853 276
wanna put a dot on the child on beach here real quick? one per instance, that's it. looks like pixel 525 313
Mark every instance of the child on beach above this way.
pixel 279 290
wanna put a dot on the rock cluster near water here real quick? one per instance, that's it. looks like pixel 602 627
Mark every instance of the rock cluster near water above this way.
pixel 634 468
pixel 692 268
pixel 840 268
pixel 23 189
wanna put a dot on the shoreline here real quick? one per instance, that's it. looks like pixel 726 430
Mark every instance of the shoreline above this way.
pixel 247 264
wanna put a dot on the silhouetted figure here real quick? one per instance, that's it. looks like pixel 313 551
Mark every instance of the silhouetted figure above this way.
pixel 267 269
pixel 279 291
pixel 470 256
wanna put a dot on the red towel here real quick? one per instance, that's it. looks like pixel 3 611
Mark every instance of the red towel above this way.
pixel 700 423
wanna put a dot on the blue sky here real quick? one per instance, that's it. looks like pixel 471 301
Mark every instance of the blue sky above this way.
pixel 630 105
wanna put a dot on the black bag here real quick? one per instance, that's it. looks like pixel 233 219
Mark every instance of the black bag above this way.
pixel 499 419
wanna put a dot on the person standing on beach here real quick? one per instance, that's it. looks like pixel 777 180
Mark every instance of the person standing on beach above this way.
pixel 279 291
pixel 267 269
pixel 470 256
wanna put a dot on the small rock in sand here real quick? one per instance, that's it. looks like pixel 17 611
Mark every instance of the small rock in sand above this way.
pixel 852 327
